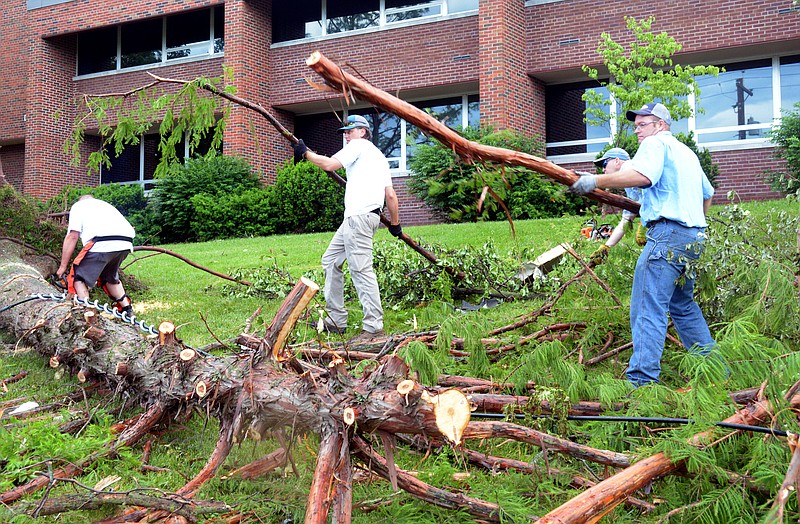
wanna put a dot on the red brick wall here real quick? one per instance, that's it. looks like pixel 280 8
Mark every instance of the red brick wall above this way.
pixel 395 60
pixel 13 86
pixel 248 32
pixel 507 93
pixel 80 15
pixel 564 35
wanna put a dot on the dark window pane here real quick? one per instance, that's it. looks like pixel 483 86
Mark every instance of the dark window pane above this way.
pixel 474 111
pixel 564 118
pixel 151 155
pixel 347 15
pixel 295 20
pixel 188 34
pixel 124 168
pixel 141 43
pixel 97 51
pixel 219 29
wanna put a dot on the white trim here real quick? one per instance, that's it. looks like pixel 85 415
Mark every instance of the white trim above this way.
pixel 376 29
pixel 145 67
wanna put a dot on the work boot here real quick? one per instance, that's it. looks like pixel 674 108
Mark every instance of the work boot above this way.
pixel 367 336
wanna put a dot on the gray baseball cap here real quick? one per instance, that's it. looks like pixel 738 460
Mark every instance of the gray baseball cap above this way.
pixel 655 109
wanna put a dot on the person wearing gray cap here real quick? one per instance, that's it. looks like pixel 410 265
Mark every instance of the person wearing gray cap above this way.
pixel 676 195
pixel 369 187
pixel 612 161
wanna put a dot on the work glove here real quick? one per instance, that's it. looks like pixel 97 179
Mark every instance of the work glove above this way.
pixel 395 230
pixel 641 235
pixel 300 150
pixel 599 256
pixel 585 184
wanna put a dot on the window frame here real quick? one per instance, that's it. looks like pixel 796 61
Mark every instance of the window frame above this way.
pixel 211 45
pixel 749 142
pixel 382 23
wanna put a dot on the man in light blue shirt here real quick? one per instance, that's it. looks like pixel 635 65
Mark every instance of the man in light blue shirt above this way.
pixel 676 195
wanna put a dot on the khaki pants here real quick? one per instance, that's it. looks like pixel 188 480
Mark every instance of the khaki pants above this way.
pixel 352 242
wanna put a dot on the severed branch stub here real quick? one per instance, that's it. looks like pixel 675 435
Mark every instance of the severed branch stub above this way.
pixel 452 412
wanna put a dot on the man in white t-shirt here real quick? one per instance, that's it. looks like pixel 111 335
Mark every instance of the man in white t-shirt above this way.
pixel 369 186
pixel 107 238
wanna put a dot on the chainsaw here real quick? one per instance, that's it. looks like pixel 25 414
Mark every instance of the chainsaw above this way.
pixel 592 231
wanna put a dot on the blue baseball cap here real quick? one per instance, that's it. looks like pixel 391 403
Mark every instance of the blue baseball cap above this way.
pixel 354 121
pixel 653 109
pixel 614 152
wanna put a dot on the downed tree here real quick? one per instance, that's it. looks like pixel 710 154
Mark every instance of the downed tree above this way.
pixel 264 388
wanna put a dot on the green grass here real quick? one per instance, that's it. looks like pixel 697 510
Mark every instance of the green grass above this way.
pixel 186 296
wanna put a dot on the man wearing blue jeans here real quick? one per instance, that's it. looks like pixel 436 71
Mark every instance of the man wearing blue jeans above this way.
pixel 676 195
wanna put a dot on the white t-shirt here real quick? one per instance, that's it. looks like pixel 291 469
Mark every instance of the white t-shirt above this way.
pixel 367 176
pixel 93 218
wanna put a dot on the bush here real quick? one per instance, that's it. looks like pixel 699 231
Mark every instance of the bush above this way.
pixel 247 214
pixel 306 200
pixel 454 188
pixel 786 138
pixel 216 176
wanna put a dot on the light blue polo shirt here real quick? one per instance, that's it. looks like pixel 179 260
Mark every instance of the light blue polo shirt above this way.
pixel 678 185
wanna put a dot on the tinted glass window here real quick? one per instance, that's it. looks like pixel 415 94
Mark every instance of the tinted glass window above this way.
pixel 790 82
pixel 456 6
pixel 564 111
pixel 295 20
pixel 347 15
pixel 97 51
pixel 141 43
pixel 188 34
pixel 219 29
pixel 124 168
pixel 741 95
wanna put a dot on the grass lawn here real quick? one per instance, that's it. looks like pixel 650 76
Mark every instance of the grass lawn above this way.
pixel 202 308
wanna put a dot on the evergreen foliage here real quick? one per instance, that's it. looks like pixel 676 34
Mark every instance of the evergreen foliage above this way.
pixel 306 200
pixel 456 189
pixel 172 198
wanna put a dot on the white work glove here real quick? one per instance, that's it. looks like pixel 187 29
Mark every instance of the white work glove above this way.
pixel 585 184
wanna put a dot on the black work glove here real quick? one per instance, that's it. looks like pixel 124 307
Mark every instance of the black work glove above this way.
pixel 396 230
pixel 300 150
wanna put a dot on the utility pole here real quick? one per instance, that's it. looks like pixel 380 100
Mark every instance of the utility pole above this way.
pixel 740 91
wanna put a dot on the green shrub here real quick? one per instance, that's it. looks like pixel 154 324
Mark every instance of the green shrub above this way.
pixel 306 200
pixel 216 176
pixel 454 188
pixel 234 215
pixel 786 138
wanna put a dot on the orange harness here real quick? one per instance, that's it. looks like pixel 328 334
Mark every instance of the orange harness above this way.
pixel 70 278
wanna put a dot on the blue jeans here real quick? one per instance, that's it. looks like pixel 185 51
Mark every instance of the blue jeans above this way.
pixel 661 286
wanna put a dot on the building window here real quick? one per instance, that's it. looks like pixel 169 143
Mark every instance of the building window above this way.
pixel 737 105
pixel 137 163
pixel 327 17
pixel 153 41
pixel 566 131
pixel 398 139
pixel 790 82
pixel 738 108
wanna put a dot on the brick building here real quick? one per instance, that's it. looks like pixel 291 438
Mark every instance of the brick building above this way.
pixel 509 63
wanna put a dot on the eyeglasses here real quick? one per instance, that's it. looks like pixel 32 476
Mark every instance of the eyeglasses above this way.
pixel 606 161
pixel 641 125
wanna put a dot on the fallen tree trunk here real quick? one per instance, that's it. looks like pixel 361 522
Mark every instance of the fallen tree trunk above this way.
pixel 348 85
